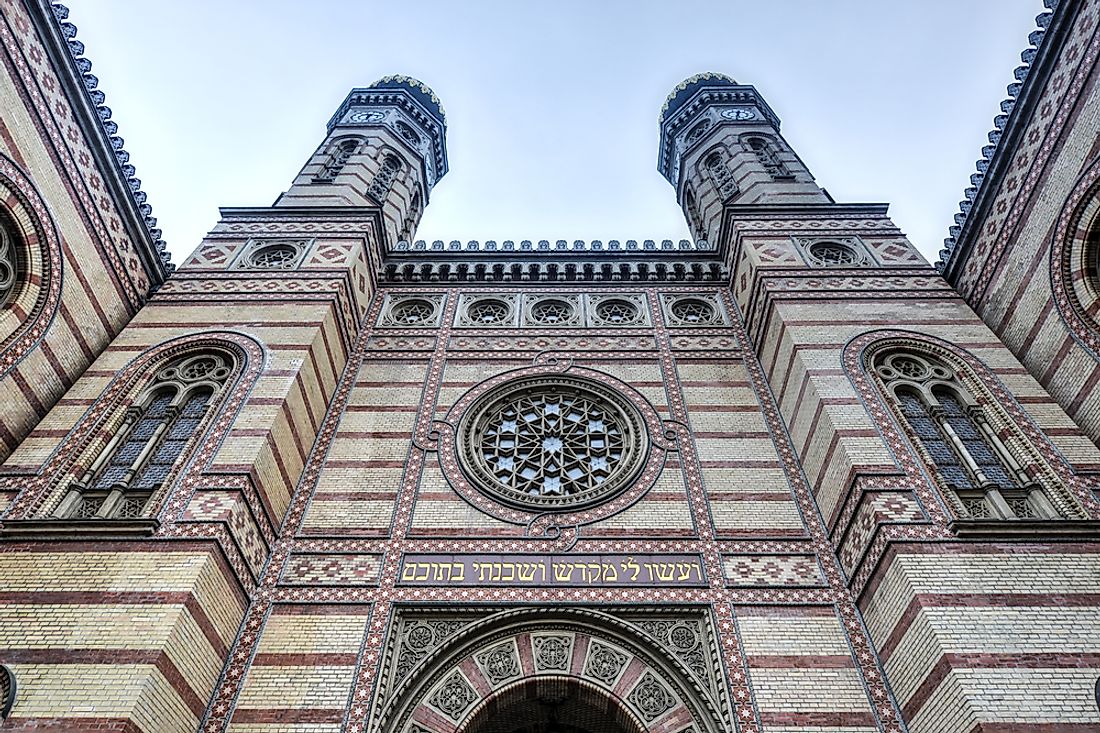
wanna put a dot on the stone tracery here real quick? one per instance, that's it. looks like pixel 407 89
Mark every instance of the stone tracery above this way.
pixel 552 443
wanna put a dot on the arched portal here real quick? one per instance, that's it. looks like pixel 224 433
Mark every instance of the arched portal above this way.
pixel 551 705
pixel 538 670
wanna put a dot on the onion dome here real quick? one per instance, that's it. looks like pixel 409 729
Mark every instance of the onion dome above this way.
pixel 420 91
pixel 685 89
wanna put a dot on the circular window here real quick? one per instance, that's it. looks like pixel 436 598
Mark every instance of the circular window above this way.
pixel 274 257
pixel 552 442
pixel 413 312
pixel 551 312
pixel 618 312
pixel 693 310
pixel 488 312
pixel 911 367
pixel 834 254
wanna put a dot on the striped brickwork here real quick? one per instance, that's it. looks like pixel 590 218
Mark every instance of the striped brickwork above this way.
pixel 952 621
pixel 380 489
pixel 320 562
pixel 290 335
pixel 350 188
pixel 85 278
pixel 1025 265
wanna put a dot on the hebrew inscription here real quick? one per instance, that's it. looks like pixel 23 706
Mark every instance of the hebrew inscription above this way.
pixel 552 570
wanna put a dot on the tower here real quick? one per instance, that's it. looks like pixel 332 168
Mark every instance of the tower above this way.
pixel 719 145
pixel 386 147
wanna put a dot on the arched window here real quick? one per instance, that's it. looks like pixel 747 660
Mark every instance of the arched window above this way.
pixel 767 157
pixel 695 222
pixel 149 441
pixel 717 166
pixel 984 480
pixel 383 181
pixel 337 159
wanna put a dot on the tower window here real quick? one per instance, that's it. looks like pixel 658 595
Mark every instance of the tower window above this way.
pixel 834 254
pixel 983 478
pixel 149 442
pixel 337 159
pixel 767 157
pixel 696 133
pixel 718 168
pixel 383 181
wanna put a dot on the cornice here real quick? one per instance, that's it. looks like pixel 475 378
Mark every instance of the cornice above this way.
pixel 1008 127
pixel 94 118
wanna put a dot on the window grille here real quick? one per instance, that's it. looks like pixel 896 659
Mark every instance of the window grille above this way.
pixel 984 480
pixel 150 441
pixel 380 187
pixel 337 160
pixel 767 157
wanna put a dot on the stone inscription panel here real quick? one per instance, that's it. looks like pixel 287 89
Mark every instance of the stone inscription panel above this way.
pixel 552 570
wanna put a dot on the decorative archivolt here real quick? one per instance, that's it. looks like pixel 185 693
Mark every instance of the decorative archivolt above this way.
pixel 984 463
pixel 30 265
pixel 447 674
pixel 1075 261
pixel 171 404
pixel 149 440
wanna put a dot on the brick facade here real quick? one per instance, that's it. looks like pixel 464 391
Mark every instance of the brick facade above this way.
pixel 766 540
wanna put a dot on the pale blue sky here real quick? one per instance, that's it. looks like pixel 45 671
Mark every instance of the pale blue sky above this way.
pixel 552 107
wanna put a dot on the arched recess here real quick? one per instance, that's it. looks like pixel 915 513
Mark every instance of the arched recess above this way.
pixel 97 427
pixel 576 667
pixel 1075 260
pixel 1025 449
pixel 35 250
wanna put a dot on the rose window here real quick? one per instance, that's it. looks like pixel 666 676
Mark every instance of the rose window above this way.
pixel 834 254
pixel 274 257
pixel 552 442
pixel 551 312
pixel 488 312
pixel 693 311
pixel 618 312
pixel 413 312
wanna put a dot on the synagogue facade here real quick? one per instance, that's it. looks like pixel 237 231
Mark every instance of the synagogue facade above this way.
pixel 325 477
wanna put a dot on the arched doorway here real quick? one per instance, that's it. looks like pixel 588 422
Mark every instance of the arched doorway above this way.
pixel 538 670
pixel 552 705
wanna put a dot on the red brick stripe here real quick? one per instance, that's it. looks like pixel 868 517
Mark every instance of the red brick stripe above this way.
pixel 73 725
pixel 310 659
pixel 112 657
pixel 801 661
pixel 289 715
pixel 111 598
pixel 1019 660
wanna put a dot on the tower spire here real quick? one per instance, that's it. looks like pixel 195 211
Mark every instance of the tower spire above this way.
pixel 386 147
pixel 720 143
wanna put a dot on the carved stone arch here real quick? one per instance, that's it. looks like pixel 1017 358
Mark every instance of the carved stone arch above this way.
pixel 1075 260
pixel 337 153
pixel 95 428
pixel 1070 495
pixel 485 663
pixel 35 248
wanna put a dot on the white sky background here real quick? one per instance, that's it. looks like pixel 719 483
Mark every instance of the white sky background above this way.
pixel 552 106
